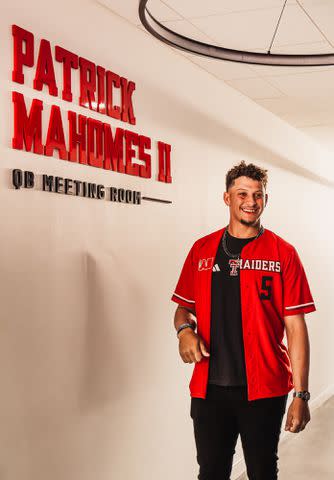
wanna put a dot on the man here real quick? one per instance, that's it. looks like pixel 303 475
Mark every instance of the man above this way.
pixel 242 286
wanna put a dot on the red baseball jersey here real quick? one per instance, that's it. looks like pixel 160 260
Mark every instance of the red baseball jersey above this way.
pixel 273 285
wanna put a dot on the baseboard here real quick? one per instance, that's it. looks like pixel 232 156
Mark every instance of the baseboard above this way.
pixel 321 398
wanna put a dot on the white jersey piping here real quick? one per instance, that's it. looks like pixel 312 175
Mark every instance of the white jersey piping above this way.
pixel 301 305
pixel 185 299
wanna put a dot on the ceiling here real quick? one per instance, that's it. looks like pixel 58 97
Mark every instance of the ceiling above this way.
pixel 302 96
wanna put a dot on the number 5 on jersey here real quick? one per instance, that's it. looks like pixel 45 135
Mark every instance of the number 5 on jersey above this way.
pixel 266 287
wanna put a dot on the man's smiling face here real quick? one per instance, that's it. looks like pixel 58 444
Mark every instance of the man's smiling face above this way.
pixel 246 199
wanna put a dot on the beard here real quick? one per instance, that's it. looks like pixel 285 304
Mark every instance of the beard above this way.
pixel 250 223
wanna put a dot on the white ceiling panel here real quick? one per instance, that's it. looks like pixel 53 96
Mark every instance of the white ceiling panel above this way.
pixel 313 84
pixel 296 27
pixel 224 70
pixel 193 9
pixel 189 30
pixel 241 5
pixel 287 104
pixel 310 47
pixel 315 2
pixel 161 11
pixel 254 88
pixel 323 15
pixel 129 9
pixel 252 29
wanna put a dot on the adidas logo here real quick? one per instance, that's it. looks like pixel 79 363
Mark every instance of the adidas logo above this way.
pixel 216 268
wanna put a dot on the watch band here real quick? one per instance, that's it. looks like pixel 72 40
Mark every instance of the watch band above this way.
pixel 304 394
pixel 185 325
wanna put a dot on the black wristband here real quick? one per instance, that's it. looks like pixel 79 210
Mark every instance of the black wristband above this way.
pixel 185 325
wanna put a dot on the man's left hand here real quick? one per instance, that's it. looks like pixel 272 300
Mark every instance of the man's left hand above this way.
pixel 298 415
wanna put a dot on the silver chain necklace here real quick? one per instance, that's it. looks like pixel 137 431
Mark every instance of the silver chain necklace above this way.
pixel 236 255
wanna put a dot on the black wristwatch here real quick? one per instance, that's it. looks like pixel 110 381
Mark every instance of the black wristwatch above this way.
pixel 305 395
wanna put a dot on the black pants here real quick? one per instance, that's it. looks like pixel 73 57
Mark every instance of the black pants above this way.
pixel 221 416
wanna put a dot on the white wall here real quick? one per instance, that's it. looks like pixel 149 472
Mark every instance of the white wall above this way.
pixel 322 134
pixel 92 383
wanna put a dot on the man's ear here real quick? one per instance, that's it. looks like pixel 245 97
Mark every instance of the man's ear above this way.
pixel 227 198
pixel 266 199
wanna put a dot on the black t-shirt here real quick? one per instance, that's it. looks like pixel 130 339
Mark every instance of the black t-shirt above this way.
pixel 227 357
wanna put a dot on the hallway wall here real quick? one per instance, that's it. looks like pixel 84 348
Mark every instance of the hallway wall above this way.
pixel 92 381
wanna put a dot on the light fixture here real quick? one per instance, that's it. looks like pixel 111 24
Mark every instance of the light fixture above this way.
pixel 190 45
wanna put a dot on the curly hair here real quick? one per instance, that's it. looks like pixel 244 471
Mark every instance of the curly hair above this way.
pixel 250 171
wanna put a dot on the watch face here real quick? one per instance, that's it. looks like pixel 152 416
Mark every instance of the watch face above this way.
pixel 305 395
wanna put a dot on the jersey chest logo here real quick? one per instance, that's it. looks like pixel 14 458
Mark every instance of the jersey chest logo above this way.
pixel 205 264
pixel 265 265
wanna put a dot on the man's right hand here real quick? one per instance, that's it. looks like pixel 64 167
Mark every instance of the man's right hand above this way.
pixel 191 346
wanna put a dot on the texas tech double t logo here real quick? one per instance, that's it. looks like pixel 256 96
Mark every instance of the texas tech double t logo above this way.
pixel 234 263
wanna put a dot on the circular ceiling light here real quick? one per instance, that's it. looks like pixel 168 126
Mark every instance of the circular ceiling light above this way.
pixel 190 45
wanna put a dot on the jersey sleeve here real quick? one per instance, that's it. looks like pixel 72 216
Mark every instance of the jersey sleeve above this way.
pixel 184 291
pixel 297 297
